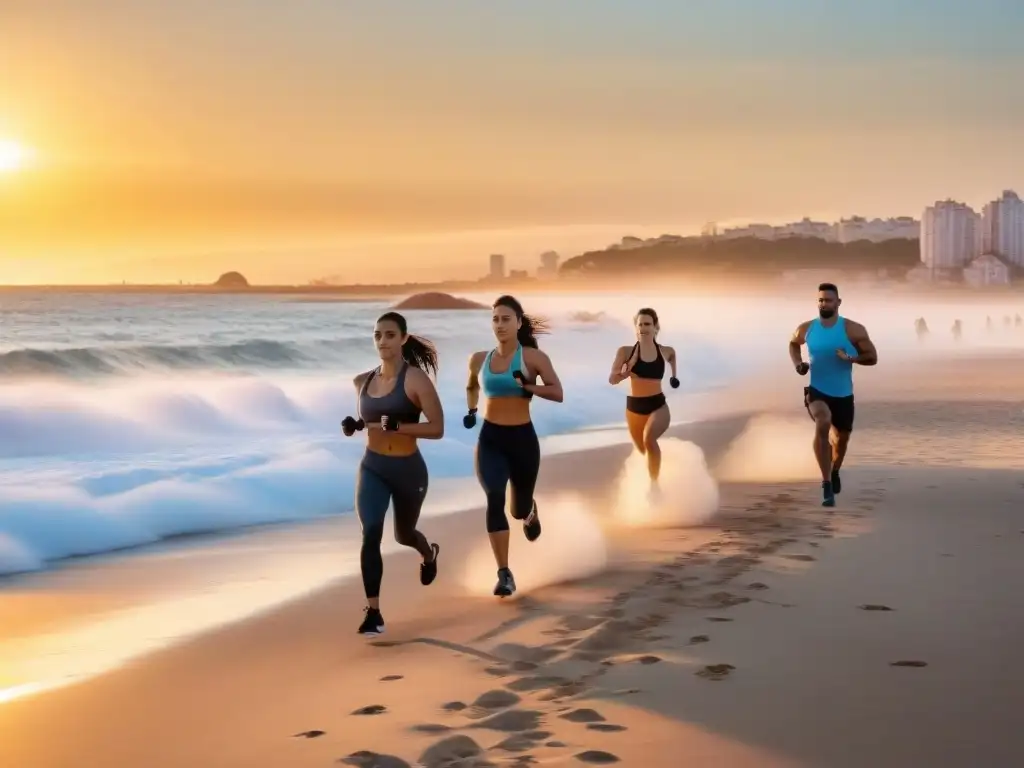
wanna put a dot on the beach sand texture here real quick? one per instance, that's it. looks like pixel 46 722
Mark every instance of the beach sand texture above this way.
pixel 886 632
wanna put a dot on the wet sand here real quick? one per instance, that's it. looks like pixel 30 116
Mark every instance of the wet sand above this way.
pixel 886 632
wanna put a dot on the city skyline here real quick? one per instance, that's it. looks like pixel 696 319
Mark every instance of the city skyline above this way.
pixel 412 139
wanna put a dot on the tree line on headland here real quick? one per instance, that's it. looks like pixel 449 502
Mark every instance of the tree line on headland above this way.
pixel 748 255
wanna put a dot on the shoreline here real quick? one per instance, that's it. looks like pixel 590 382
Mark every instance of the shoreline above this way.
pixel 711 643
pixel 104 571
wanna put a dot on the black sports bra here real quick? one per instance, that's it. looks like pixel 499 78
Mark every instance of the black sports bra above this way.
pixel 648 369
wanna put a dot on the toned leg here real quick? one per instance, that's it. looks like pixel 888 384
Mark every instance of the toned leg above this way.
pixel 822 417
pixel 524 467
pixel 409 490
pixel 839 442
pixel 657 423
pixel 492 470
pixel 637 422
pixel 372 500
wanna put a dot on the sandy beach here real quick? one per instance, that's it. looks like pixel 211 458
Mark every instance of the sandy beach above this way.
pixel 886 632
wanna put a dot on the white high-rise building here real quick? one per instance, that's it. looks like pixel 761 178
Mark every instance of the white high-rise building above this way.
pixel 950 235
pixel 1003 228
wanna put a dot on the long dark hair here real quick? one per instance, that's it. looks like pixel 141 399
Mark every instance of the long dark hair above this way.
pixel 417 351
pixel 530 327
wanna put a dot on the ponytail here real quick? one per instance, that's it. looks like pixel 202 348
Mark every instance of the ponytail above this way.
pixel 420 353
pixel 530 326
pixel 416 351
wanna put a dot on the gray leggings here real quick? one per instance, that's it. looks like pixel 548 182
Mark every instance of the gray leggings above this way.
pixel 381 481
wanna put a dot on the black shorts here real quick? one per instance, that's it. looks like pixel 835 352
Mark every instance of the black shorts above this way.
pixel 841 407
pixel 645 406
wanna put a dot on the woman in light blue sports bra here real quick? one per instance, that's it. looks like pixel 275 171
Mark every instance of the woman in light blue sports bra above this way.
pixel 508 451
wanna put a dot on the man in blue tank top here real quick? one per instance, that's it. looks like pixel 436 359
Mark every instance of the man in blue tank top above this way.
pixel 834 345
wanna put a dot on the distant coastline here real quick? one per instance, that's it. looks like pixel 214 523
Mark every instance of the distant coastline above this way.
pixel 676 265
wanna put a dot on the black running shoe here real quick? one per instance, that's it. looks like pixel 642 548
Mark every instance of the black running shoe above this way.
pixel 531 525
pixel 828 498
pixel 837 486
pixel 373 623
pixel 506 585
pixel 428 571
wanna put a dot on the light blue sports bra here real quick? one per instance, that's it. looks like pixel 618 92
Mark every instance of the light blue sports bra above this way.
pixel 503 384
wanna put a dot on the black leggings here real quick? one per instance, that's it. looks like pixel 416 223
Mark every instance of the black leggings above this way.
pixel 507 454
pixel 381 480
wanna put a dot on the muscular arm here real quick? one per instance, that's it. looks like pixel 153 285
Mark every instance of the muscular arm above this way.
pixel 616 376
pixel 796 343
pixel 422 391
pixel 670 355
pixel 540 363
pixel 866 352
pixel 476 361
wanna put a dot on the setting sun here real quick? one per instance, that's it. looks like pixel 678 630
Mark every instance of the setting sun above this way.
pixel 12 155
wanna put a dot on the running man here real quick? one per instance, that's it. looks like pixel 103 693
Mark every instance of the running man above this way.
pixel 834 345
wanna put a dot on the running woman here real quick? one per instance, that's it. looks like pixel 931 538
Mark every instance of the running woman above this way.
pixel 834 345
pixel 647 414
pixel 508 452
pixel 391 399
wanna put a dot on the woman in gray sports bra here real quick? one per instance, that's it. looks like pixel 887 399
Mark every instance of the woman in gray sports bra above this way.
pixel 392 471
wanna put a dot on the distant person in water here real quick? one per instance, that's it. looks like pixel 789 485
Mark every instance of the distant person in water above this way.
pixel 957 330
pixel 647 413
pixel 921 327
pixel 508 451
pixel 834 345
pixel 391 399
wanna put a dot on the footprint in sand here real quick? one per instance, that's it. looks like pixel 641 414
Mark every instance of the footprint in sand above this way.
pixel 372 709
pixel 597 757
pixel 718 619
pixel 606 727
pixel 521 742
pixel 308 734
pixel 908 663
pixel 537 683
pixel 512 721
pixel 367 759
pixel 450 751
pixel 697 639
pixel 715 671
pixel 453 706
pixel 874 607
pixel 430 728
pixel 583 716
pixel 390 678
pixel 565 691
pixel 801 558
pixel 488 703
pixel 757 585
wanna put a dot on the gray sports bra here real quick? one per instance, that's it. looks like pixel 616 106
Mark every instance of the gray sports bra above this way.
pixel 395 403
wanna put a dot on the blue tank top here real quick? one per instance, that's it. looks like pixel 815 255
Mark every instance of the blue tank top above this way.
pixel 502 384
pixel 830 375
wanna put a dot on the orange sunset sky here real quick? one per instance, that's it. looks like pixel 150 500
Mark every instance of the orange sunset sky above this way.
pixel 407 140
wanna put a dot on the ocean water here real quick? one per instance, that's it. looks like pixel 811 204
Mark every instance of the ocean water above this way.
pixel 128 419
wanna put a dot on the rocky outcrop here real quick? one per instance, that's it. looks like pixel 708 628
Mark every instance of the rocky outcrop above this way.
pixel 437 300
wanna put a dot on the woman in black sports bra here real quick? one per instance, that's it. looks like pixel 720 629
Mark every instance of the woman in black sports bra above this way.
pixel 647 414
